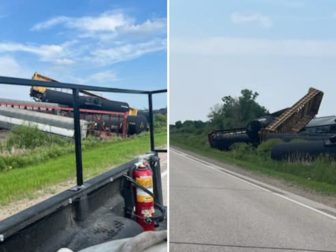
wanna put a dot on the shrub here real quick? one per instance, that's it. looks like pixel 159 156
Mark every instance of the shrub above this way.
pixel 160 120
pixel 241 150
pixel 91 141
pixel 2 164
pixel 29 137
pixel 264 149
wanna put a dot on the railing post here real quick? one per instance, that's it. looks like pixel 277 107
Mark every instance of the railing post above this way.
pixel 78 138
pixel 151 121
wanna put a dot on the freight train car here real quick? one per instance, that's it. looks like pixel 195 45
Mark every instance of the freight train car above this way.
pixel 136 121
pixel 316 139
pixel 316 135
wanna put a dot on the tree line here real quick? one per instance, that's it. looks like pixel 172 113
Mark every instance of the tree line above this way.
pixel 231 112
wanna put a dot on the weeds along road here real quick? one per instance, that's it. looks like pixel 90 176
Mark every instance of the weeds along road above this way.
pixel 212 209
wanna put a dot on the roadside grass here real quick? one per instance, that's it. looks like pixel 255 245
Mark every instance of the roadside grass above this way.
pixel 28 145
pixel 319 176
pixel 98 157
pixel 158 140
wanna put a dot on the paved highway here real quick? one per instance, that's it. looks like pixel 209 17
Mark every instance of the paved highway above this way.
pixel 213 209
pixel 164 172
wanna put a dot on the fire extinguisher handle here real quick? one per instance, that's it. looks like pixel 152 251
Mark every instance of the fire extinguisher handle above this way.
pixel 161 208
pixel 139 186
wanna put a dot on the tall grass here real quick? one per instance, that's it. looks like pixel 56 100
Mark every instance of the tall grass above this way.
pixel 28 145
pixel 97 157
pixel 319 175
pixel 30 137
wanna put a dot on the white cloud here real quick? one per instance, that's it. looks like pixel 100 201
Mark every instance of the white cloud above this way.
pixel 98 78
pixel 87 44
pixel 102 77
pixel 251 17
pixel 48 53
pixel 145 31
pixel 106 22
pixel 251 46
pixel 108 38
pixel 107 25
pixel 103 22
pixel 50 23
pixel 10 67
pixel 149 26
pixel 127 51
pixel 72 53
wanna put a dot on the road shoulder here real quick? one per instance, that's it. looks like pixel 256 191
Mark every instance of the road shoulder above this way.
pixel 329 201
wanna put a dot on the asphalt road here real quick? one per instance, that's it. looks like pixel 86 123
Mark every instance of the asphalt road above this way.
pixel 213 209
pixel 164 172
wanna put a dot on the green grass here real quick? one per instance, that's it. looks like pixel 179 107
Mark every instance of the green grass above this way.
pixel 319 176
pixel 23 182
pixel 27 145
pixel 30 137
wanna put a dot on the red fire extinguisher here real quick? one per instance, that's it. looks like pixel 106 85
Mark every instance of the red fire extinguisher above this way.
pixel 144 203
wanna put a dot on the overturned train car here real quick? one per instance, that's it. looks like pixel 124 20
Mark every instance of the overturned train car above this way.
pixel 305 137
pixel 317 138
pixel 136 121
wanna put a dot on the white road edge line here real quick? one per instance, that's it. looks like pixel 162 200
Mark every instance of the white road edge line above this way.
pixel 306 206
pixel 238 176
pixel 219 169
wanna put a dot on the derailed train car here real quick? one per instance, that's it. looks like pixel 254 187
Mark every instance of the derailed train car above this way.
pixel 305 137
pixel 318 129
pixel 137 121
pixel 316 139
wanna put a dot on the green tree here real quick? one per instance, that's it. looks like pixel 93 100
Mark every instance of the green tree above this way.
pixel 160 120
pixel 178 124
pixel 236 112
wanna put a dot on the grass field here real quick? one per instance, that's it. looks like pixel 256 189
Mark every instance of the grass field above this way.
pixel 319 175
pixel 24 181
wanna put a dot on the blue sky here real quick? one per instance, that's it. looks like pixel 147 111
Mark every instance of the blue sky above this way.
pixel 109 43
pixel 278 48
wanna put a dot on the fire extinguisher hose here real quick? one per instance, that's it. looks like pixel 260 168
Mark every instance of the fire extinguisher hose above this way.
pixel 159 206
